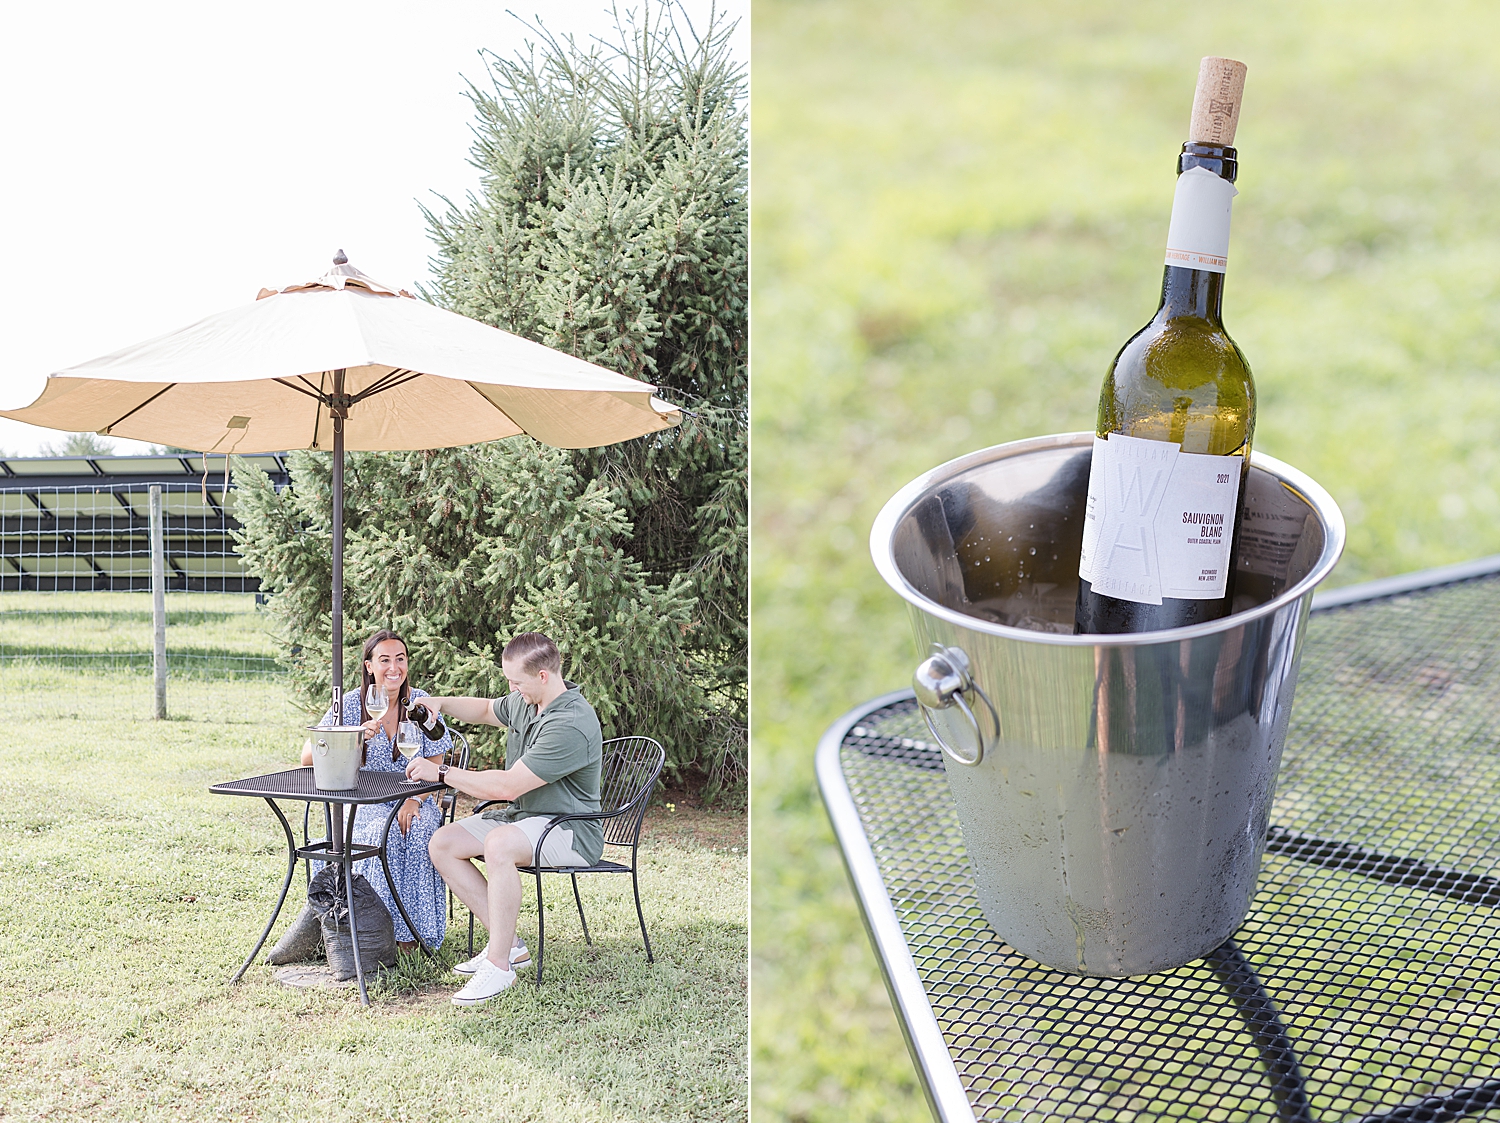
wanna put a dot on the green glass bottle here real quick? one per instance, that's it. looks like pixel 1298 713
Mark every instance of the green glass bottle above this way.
pixel 1176 414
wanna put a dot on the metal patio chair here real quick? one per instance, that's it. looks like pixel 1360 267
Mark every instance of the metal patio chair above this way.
pixel 631 767
pixel 457 756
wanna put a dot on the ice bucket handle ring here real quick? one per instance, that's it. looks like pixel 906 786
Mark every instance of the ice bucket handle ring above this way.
pixel 940 682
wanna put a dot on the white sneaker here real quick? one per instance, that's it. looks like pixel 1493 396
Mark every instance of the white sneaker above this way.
pixel 469 966
pixel 487 982
pixel 519 957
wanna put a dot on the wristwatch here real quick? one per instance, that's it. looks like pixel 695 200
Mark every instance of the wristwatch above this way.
pixel 442 774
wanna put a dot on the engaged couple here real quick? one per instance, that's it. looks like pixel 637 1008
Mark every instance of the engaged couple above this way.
pixel 554 754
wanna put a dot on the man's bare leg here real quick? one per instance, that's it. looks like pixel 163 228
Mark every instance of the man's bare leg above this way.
pixel 452 849
pixel 505 848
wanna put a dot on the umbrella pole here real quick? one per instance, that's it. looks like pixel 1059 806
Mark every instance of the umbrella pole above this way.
pixel 338 547
pixel 337 834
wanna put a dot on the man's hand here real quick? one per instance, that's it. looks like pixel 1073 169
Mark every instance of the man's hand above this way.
pixel 423 768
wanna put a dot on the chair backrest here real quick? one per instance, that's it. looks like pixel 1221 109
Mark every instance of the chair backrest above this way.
pixel 631 766
pixel 457 756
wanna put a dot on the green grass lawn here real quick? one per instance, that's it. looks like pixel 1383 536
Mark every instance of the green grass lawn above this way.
pixel 132 895
pixel 959 215
pixel 59 647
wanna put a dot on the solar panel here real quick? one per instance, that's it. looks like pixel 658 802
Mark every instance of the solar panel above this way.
pixel 96 536
pixel 124 565
pixel 51 466
pixel 198 566
pixel 53 565
pixel 187 504
pixel 142 465
pixel 76 504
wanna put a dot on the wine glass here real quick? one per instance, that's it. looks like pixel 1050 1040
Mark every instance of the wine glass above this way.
pixel 408 741
pixel 376 701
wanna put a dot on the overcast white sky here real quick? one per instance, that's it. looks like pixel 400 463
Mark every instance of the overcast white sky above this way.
pixel 166 160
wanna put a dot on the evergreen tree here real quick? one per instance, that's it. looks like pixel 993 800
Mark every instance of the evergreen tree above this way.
pixel 612 224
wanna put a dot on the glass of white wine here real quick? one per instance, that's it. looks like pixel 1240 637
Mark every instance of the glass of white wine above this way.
pixel 376 701
pixel 408 741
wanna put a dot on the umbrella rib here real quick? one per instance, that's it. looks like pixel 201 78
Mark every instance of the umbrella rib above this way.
pixel 398 376
pixel 137 409
pixel 316 396
pixel 293 386
pixel 380 383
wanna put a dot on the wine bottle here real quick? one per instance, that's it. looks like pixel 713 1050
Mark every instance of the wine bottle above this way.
pixel 1176 413
pixel 432 724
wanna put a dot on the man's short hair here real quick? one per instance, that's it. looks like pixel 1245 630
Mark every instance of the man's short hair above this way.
pixel 535 652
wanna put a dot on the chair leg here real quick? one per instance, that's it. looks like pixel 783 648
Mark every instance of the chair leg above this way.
pixel 635 885
pixel 579 901
pixel 541 929
pixel 471 935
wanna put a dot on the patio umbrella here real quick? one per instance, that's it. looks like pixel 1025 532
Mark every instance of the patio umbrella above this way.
pixel 344 362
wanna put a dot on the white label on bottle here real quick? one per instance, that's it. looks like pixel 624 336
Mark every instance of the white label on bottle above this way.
pixel 1198 236
pixel 1158 522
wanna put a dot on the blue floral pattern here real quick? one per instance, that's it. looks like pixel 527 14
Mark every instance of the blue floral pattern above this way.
pixel 421 888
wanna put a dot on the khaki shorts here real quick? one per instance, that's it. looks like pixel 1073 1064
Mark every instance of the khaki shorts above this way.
pixel 559 850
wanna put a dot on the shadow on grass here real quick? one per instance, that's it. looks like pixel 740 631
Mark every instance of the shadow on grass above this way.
pixel 208 663
pixel 137 616
pixel 579 973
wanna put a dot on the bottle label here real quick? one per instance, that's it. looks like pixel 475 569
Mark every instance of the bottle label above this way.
pixel 1198 237
pixel 1158 522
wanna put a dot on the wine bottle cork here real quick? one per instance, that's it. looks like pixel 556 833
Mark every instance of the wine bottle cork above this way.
pixel 1216 103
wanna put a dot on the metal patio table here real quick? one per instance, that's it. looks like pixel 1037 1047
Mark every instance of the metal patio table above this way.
pixel 339 848
pixel 1363 986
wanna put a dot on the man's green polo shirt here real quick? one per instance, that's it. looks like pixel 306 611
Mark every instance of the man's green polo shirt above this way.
pixel 563 747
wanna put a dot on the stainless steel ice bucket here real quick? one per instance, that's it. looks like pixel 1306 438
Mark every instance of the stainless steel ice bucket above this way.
pixel 337 753
pixel 1114 791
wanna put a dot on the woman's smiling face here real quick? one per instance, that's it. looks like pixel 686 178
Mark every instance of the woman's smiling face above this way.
pixel 387 663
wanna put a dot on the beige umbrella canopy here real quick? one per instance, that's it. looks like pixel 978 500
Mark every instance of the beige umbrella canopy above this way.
pixel 344 362
pixel 272 375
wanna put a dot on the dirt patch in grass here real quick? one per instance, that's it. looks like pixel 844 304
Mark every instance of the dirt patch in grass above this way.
pixel 680 818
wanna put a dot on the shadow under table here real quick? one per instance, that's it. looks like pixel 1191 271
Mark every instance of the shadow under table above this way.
pixel 339 848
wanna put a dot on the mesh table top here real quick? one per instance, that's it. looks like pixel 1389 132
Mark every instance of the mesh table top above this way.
pixel 297 783
pixel 1373 931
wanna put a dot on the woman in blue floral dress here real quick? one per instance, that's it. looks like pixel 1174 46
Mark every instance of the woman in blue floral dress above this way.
pixel 422 890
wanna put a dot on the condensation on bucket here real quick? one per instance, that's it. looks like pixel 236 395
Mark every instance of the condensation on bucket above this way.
pixel 1117 819
pixel 1116 862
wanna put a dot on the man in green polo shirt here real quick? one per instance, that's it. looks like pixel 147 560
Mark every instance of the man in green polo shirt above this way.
pixel 553 755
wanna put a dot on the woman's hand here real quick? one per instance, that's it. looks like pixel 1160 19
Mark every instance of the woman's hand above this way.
pixel 408 815
pixel 371 727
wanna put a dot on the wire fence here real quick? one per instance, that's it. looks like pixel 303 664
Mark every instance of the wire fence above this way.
pixel 77 620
